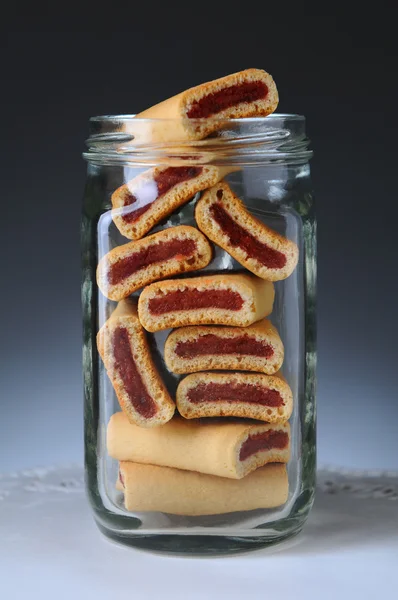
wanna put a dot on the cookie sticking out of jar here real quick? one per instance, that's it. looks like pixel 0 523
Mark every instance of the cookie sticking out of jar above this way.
pixel 201 110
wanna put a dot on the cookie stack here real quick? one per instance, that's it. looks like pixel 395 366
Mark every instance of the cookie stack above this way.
pixel 227 448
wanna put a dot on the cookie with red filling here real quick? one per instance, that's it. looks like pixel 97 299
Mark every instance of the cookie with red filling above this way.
pixel 230 299
pixel 225 448
pixel 201 110
pixel 249 395
pixel 223 218
pixel 143 202
pixel 132 266
pixel 200 348
pixel 124 349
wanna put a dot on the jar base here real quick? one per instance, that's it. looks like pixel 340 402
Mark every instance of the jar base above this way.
pixel 199 545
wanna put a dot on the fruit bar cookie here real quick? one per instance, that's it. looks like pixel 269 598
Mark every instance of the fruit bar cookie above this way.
pixel 255 348
pixel 152 488
pixel 217 447
pixel 124 349
pixel 132 266
pixel 153 195
pixel 215 299
pixel 250 395
pixel 249 93
pixel 223 217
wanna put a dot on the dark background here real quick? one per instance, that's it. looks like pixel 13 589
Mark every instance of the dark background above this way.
pixel 339 72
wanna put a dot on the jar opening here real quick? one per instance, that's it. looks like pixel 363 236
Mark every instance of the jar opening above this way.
pixel 124 138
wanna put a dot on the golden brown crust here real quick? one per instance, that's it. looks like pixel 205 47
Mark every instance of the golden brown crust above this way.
pixel 263 457
pixel 223 408
pixel 160 270
pixel 126 316
pixel 163 489
pixel 177 126
pixel 145 189
pixel 239 213
pixel 262 331
pixel 205 445
pixel 257 294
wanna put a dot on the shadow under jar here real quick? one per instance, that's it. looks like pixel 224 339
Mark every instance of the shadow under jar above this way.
pixel 178 483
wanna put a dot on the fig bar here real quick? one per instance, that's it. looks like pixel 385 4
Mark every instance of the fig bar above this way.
pixel 223 448
pixel 124 349
pixel 129 267
pixel 250 395
pixel 255 348
pixel 162 489
pixel 223 217
pixel 153 195
pixel 216 299
pixel 249 93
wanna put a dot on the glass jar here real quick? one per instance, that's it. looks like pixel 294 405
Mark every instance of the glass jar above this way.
pixel 182 497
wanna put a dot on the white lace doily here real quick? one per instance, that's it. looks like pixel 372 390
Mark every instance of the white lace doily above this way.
pixel 51 548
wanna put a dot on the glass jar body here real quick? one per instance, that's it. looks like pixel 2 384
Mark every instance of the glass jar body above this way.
pixel 278 193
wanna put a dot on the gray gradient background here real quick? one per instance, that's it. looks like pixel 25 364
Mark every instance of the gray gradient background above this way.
pixel 331 70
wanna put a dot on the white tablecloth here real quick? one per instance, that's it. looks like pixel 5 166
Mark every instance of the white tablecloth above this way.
pixel 51 549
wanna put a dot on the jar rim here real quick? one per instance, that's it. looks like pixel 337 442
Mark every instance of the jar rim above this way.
pixel 128 117
pixel 279 137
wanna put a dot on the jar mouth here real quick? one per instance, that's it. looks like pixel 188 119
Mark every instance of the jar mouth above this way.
pixel 118 138
pixel 127 117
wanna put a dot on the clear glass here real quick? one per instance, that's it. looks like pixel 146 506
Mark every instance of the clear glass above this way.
pixel 272 177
